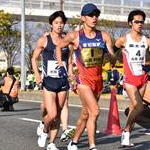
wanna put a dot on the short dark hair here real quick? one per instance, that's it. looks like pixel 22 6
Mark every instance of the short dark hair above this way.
pixel 57 14
pixel 10 70
pixel 134 13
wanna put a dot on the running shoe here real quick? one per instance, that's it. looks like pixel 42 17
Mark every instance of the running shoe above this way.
pixel 125 139
pixel 147 132
pixel 93 148
pixel 72 146
pixel 67 134
pixel 52 146
pixel 71 133
pixel 40 128
pixel 42 139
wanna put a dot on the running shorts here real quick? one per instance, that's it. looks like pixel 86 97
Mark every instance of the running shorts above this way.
pixel 137 81
pixel 55 84
pixel 95 83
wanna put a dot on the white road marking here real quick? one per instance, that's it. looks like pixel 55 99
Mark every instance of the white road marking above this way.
pixel 38 121
pixel 72 105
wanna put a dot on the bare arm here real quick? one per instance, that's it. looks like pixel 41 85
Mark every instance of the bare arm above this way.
pixel 39 48
pixel 70 66
pixel 120 42
pixel 69 38
pixel 148 42
pixel 107 39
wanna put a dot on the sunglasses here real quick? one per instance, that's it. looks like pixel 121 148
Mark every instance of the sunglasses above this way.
pixel 94 13
pixel 138 21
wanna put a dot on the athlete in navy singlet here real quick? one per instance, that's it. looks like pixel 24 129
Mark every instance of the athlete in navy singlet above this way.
pixel 55 88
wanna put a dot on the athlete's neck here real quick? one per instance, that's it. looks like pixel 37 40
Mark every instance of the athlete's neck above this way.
pixel 55 37
pixel 136 36
pixel 90 32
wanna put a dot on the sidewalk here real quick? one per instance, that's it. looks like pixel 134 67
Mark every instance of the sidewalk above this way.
pixel 74 99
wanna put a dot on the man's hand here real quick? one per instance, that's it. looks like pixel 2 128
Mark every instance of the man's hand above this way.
pixel 62 72
pixel 146 68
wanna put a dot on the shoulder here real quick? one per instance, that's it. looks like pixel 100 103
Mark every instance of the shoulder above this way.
pixel 71 37
pixel 73 34
pixel 122 39
pixel 42 39
pixel 105 35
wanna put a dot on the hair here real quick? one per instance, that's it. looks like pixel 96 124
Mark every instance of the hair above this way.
pixel 134 13
pixel 57 14
pixel 10 70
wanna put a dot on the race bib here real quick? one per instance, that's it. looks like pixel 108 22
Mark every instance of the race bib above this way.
pixel 137 56
pixel 92 56
pixel 52 70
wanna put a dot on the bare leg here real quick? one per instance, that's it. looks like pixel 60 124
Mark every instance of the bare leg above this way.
pixel 55 123
pixel 136 104
pixel 81 124
pixel 89 114
pixel 65 115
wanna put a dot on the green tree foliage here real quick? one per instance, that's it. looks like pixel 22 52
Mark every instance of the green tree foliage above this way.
pixel 9 37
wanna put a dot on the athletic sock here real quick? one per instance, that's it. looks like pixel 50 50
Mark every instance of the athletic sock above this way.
pixel 73 143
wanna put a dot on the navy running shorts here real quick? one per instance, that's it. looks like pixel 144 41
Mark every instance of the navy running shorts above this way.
pixel 55 84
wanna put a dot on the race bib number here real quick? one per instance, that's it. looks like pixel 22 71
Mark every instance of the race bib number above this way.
pixel 92 56
pixel 52 70
pixel 137 56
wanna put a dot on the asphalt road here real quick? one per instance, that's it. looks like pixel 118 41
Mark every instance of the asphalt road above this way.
pixel 18 130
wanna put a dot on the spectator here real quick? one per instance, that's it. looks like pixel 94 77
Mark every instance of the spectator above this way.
pixel 9 90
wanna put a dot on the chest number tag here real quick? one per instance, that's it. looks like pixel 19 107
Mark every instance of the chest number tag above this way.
pixel 92 56
pixel 52 70
pixel 137 57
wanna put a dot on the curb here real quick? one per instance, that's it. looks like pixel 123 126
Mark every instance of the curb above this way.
pixel 74 99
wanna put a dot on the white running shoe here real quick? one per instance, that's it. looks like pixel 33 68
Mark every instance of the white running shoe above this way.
pixel 125 139
pixel 68 133
pixel 52 146
pixel 72 147
pixel 147 132
pixel 40 128
pixel 93 148
pixel 42 139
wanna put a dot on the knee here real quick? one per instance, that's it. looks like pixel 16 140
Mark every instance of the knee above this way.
pixel 84 116
pixel 94 114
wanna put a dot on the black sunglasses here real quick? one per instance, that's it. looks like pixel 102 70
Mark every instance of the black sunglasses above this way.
pixel 94 13
pixel 138 21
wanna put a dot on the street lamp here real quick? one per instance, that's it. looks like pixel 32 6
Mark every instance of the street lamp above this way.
pixel 22 44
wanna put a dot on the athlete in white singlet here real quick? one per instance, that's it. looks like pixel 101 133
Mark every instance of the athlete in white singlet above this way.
pixel 134 46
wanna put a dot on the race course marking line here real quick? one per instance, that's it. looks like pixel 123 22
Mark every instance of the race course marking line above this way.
pixel 38 121
pixel 72 105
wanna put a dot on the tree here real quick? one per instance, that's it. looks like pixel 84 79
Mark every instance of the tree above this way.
pixel 9 37
pixel 33 32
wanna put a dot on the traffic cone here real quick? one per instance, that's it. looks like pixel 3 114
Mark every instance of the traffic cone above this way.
pixel 113 124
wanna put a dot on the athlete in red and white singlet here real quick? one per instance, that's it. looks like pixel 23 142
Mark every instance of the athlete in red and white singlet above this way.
pixel 134 56
pixel 134 46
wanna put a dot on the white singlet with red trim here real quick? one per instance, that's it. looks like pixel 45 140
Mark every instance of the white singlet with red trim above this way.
pixel 134 56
